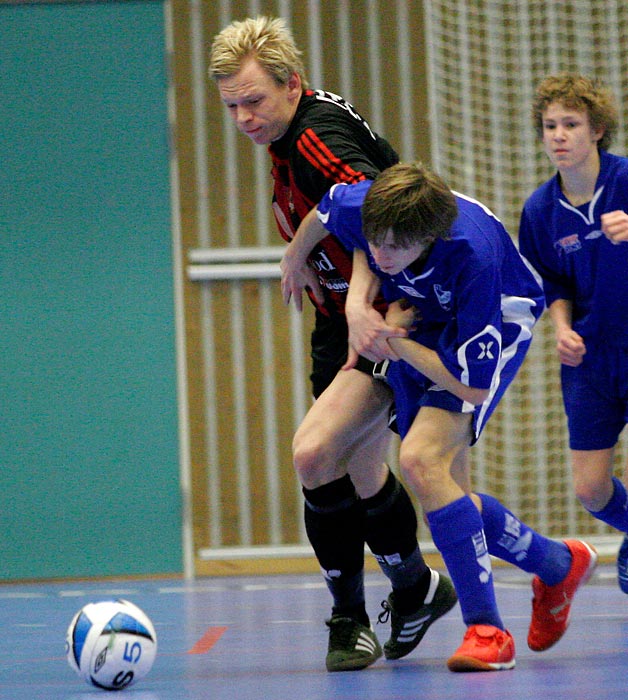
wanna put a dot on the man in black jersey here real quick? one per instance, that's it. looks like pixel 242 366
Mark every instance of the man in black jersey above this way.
pixel 316 139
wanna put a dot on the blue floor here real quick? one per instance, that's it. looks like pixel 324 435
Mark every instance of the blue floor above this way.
pixel 264 637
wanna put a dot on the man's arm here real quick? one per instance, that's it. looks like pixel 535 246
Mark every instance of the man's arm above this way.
pixel 296 274
pixel 368 331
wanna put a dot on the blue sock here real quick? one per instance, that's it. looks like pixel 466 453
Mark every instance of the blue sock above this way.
pixel 513 541
pixel 615 512
pixel 458 534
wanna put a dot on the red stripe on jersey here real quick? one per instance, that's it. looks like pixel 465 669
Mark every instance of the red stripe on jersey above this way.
pixel 317 153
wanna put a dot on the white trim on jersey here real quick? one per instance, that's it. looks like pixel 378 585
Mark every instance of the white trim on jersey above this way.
pixel 518 311
pixel 590 216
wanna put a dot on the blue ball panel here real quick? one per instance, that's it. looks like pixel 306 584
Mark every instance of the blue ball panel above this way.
pixel 79 635
pixel 122 622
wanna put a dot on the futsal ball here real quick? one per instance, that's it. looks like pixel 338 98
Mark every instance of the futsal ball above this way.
pixel 111 644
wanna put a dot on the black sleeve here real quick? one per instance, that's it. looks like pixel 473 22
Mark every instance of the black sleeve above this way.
pixel 337 152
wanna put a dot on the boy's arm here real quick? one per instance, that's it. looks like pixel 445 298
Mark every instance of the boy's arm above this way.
pixel 569 343
pixel 429 363
pixel 615 226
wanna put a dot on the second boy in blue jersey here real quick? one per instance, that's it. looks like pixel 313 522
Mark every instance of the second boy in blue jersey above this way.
pixel 468 301
pixel 574 230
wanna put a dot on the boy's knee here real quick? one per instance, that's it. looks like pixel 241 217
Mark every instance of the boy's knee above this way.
pixel 592 497
pixel 422 469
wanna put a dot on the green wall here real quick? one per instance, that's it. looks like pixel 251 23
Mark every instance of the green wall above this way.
pixel 89 481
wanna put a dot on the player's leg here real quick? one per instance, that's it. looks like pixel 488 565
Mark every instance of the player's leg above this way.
pixel 622 555
pixel 356 441
pixel 346 424
pixel 345 416
pixel 561 568
pixel 592 474
pixel 419 595
pixel 347 420
pixel 334 515
pixel 431 454
pixel 600 492
pixel 597 411
pixel 604 496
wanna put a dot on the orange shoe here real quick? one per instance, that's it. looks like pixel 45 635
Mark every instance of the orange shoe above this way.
pixel 551 605
pixel 484 648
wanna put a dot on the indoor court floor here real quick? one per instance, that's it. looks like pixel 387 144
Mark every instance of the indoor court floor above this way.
pixel 263 637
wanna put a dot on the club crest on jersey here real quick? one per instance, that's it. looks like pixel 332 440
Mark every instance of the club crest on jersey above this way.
pixel 443 296
pixel 568 244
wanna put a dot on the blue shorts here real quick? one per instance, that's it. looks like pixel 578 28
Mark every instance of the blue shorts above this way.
pixel 413 391
pixel 595 396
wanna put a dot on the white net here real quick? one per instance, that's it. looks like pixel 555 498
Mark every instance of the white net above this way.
pixel 484 61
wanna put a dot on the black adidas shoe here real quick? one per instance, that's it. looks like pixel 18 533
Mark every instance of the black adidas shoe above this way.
pixel 352 646
pixel 408 630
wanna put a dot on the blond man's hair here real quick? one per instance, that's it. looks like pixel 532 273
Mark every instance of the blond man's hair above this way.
pixel 267 39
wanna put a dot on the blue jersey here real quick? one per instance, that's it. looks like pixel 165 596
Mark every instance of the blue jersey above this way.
pixel 477 297
pixel 575 259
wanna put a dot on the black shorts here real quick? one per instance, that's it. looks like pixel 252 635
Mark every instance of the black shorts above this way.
pixel 330 340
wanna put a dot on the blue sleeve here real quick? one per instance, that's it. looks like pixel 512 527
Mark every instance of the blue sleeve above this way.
pixel 536 246
pixel 340 213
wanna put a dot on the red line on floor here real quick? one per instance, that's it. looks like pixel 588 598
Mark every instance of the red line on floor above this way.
pixel 207 641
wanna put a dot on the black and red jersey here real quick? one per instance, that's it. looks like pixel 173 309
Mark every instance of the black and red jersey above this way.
pixel 327 142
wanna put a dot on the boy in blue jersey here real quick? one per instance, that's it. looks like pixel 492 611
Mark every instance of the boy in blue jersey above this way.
pixel 574 230
pixel 456 283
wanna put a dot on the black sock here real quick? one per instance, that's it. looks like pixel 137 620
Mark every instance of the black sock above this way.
pixel 391 526
pixel 409 600
pixel 334 521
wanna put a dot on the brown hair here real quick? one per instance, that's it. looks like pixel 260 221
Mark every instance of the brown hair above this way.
pixel 582 94
pixel 410 200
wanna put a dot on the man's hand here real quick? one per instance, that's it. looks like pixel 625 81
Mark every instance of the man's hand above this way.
pixel 369 333
pixel 296 277
pixel 296 274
